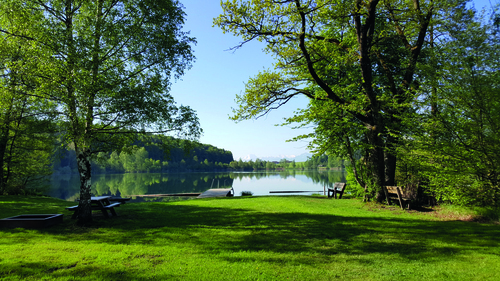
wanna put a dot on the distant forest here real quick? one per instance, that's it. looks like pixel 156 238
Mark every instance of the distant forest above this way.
pixel 316 162
pixel 184 156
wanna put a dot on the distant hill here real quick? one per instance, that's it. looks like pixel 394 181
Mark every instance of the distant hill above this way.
pixel 181 155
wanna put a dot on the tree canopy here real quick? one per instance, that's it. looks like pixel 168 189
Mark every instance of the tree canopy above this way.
pixel 363 64
pixel 108 65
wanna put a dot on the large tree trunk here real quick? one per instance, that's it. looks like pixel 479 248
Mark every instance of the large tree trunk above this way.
pixel 375 161
pixel 390 161
pixel 85 171
pixel 4 141
pixel 3 148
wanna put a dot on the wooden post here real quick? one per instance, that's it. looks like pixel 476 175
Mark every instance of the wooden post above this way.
pixel 400 197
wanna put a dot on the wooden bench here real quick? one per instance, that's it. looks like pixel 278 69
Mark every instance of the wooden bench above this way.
pixel 111 208
pixel 338 188
pixel 119 199
pixel 74 209
pixel 396 193
pixel 103 209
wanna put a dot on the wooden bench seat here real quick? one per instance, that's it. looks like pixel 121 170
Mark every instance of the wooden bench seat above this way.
pixel 119 199
pixel 338 188
pixel 103 209
pixel 111 208
pixel 112 205
pixel 396 193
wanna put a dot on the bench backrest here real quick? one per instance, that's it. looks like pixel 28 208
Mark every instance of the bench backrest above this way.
pixel 392 189
pixel 339 186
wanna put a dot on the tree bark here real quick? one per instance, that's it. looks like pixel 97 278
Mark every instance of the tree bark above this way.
pixel 375 161
pixel 4 143
pixel 3 148
pixel 85 171
pixel 390 161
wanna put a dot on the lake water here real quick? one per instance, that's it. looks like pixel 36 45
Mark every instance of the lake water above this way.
pixel 258 183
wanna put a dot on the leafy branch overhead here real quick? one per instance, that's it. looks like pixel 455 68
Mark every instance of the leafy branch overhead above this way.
pixel 364 65
pixel 109 66
pixel 355 55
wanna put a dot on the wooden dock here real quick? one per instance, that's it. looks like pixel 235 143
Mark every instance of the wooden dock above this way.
pixel 216 192
pixel 294 191
pixel 165 195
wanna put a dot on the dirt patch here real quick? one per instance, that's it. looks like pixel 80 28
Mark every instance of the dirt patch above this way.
pixel 433 211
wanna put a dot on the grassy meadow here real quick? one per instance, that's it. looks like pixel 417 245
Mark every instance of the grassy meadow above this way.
pixel 249 238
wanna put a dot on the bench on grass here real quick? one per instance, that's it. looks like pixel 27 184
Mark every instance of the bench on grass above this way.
pixel 101 203
pixel 338 188
pixel 111 208
pixel 396 193
pixel 72 208
pixel 119 199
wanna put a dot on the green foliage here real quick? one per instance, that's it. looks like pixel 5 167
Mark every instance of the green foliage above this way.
pixel 27 130
pixel 109 83
pixel 354 187
pixel 406 91
pixel 454 150
pixel 150 157
pixel 358 62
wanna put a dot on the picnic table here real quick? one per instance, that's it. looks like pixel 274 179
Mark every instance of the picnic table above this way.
pixel 101 203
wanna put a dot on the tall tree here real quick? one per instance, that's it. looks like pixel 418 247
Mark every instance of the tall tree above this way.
pixel 456 148
pixel 358 62
pixel 26 127
pixel 110 67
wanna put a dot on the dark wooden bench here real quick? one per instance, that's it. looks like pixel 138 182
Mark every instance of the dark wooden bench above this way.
pixel 395 193
pixel 103 209
pixel 338 188
pixel 111 207
pixel 74 209
pixel 119 199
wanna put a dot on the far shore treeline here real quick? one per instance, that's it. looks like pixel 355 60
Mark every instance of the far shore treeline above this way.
pixel 155 158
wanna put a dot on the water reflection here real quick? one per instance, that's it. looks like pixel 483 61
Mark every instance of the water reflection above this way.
pixel 259 183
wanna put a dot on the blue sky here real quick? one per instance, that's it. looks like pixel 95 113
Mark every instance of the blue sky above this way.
pixel 217 75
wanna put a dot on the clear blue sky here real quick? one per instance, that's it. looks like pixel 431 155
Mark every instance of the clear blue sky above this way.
pixel 217 75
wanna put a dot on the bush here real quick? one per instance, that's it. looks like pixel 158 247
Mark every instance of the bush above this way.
pixel 246 193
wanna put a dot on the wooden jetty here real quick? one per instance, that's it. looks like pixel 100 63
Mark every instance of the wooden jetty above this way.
pixel 293 191
pixel 216 192
pixel 165 195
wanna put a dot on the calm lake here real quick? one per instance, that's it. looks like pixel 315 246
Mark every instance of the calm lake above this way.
pixel 259 183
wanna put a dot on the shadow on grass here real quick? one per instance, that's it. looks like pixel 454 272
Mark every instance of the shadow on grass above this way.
pixel 222 230
pixel 283 237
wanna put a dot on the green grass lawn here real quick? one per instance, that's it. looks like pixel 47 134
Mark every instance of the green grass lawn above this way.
pixel 248 238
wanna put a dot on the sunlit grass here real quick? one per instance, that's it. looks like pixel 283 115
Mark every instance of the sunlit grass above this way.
pixel 248 238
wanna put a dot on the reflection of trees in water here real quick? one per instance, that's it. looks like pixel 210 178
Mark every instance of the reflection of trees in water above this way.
pixel 67 187
pixel 326 178
pixel 138 184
